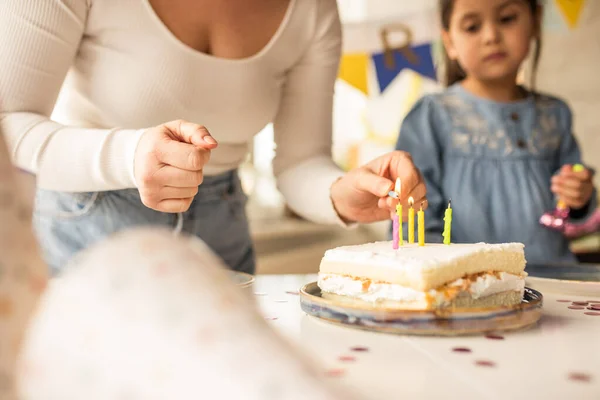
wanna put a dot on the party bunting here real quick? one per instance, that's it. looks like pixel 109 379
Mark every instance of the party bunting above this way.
pixel 571 10
pixel 553 20
pixel 424 64
pixel 353 70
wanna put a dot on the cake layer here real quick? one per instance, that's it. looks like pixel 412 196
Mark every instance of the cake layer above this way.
pixel 502 299
pixel 422 267
pixel 474 287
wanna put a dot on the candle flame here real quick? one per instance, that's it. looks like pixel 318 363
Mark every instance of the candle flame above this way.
pixel 411 201
pixel 450 203
pixel 398 187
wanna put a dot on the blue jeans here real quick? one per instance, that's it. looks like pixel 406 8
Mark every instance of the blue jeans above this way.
pixel 67 223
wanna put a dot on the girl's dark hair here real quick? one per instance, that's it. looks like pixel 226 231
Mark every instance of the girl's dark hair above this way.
pixel 452 70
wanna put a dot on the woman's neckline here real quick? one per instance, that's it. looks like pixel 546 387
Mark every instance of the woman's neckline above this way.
pixel 265 49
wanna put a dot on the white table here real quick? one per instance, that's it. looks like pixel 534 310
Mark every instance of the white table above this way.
pixel 537 363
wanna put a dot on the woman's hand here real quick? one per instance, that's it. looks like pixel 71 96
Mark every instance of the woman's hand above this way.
pixel 574 188
pixel 362 194
pixel 168 164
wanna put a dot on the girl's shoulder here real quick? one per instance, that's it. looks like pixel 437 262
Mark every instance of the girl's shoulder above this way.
pixel 437 103
pixel 449 100
pixel 546 101
pixel 552 108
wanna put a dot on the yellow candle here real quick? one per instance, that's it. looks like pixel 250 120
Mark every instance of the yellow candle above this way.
pixel 411 221
pixel 447 223
pixel 401 225
pixel 421 218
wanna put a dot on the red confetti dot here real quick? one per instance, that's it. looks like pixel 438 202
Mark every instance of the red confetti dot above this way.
pixel 594 301
pixel 461 350
pixel 359 349
pixel 597 308
pixel 347 358
pixel 485 363
pixel 271 318
pixel 579 377
pixel 564 301
pixel 494 337
pixel 576 308
pixel 580 303
pixel 592 313
pixel 335 373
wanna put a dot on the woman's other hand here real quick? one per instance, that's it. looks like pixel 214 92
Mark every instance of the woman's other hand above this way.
pixel 169 161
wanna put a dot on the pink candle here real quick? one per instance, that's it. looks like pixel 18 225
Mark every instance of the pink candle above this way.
pixel 395 231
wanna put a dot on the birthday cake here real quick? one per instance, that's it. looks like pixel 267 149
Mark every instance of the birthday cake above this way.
pixel 432 276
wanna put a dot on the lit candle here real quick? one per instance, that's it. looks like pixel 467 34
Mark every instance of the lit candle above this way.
pixel 397 218
pixel 411 221
pixel 447 223
pixel 421 218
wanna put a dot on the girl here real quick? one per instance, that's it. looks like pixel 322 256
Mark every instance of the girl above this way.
pixel 500 152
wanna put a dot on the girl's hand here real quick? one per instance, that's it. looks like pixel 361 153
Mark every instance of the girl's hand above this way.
pixel 362 194
pixel 168 164
pixel 574 188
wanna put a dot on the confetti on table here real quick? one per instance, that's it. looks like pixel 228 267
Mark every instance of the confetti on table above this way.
pixel 292 292
pixel 576 308
pixel 592 313
pixel 347 358
pixel 461 350
pixel 271 318
pixel 564 301
pixel 335 373
pixel 580 303
pixel 579 377
pixel 494 337
pixel 359 349
pixel 485 363
pixel 594 307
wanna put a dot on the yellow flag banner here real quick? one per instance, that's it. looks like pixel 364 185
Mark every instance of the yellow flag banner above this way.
pixel 571 10
pixel 353 70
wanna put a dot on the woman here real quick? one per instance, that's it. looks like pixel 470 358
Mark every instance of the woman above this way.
pixel 219 72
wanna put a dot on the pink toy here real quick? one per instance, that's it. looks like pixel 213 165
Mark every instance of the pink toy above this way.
pixel 558 219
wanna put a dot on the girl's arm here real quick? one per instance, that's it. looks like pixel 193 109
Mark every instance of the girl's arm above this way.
pixel 39 41
pixel 419 136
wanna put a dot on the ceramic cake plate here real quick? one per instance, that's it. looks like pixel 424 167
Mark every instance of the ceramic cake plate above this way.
pixel 575 279
pixel 471 321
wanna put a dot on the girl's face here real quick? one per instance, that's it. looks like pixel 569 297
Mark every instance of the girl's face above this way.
pixel 490 38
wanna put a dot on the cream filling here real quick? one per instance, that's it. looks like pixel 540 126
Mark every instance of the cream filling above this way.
pixel 483 286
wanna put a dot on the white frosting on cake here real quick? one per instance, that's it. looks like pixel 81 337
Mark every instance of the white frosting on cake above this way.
pixel 482 286
pixel 413 256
